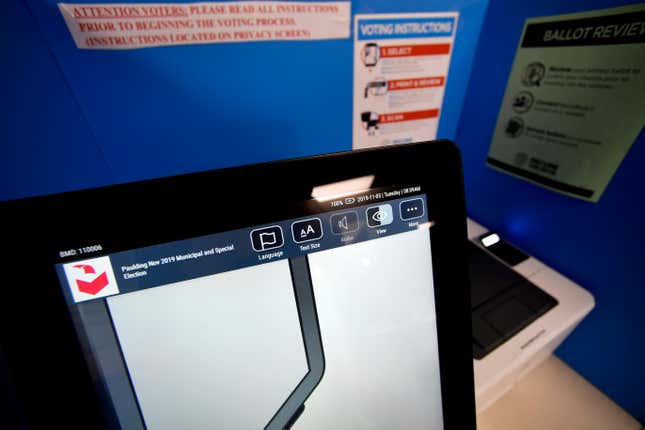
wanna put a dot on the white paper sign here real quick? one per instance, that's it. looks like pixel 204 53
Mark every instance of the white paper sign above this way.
pixel 400 69
pixel 141 25
pixel 575 100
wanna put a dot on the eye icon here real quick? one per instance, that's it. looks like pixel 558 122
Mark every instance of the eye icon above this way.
pixel 379 215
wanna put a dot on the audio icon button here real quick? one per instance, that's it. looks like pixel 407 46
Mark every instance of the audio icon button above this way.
pixel 346 222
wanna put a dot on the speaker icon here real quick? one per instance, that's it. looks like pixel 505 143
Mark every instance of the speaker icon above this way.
pixel 346 222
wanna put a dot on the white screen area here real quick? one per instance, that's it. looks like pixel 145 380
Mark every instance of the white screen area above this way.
pixel 376 313
pixel 218 352
pixel 225 351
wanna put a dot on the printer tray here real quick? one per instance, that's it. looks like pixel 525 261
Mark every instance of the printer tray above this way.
pixel 503 301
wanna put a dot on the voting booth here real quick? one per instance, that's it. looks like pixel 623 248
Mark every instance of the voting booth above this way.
pixel 542 99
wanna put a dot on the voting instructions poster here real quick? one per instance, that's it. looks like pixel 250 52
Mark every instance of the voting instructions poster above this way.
pixel 400 69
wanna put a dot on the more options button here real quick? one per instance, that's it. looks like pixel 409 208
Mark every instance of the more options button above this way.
pixel 411 209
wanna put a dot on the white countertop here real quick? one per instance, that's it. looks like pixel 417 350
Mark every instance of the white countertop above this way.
pixel 555 397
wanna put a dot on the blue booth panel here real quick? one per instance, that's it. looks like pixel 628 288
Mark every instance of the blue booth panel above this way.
pixel 598 245
pixel 160 111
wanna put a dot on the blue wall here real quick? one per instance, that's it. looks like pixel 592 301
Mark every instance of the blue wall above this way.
pixel 600 246
pixel 47 145
pixel 162 111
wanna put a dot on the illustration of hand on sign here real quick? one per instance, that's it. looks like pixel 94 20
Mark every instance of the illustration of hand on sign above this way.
pixel 514 127
pixel 370 54
pixel 522 102
pixel 377 87
pixel 370 122
pixel 533 74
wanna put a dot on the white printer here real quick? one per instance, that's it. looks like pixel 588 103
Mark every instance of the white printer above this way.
pixel 522 310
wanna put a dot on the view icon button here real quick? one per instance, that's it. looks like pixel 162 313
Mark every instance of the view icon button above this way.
pixel 379 215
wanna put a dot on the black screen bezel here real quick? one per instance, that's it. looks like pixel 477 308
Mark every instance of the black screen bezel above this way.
pixel 53 382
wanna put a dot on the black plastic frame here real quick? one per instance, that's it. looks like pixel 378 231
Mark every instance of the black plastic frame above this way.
pixel 54 384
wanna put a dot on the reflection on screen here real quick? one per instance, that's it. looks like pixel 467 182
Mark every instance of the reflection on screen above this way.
pixel 377 320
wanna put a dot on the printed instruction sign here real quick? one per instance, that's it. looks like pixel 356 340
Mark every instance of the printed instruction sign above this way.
pixel 141 25
pixel 575 100
pixel 400 69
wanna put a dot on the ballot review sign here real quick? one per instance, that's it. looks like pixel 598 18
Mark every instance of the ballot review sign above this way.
pixel 573 104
